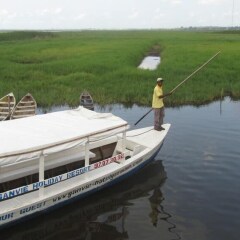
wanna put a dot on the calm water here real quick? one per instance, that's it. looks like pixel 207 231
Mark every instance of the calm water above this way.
pixel 191 191
pixel 150 63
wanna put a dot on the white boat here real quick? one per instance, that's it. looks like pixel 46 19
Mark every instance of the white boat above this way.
pixel 51 159
pixel 7 104
pixel 26 107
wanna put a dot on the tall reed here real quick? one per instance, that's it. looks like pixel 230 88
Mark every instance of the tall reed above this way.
pixel 57 67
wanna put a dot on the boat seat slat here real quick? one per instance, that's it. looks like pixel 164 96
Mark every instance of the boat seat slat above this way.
pixel 25 110
pixel 26 106
pixel 5 108
pixel 22 116
pixel 4 113
pixel 24 102
pixel 6 103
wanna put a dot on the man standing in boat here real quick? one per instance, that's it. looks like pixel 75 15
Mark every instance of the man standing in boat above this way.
pixel 158 105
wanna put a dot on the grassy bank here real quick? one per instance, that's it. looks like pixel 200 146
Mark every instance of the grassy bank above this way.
pixel 57 67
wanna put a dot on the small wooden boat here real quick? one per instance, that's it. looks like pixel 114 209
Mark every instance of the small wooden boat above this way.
pixel 7 103
pixel 25 108
pixel 64 156
pixel 86 100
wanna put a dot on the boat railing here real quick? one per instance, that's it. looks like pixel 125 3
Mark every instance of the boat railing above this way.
pixel 42 182
pixel 75 139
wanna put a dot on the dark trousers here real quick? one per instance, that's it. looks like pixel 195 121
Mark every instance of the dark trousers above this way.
pixel 158 117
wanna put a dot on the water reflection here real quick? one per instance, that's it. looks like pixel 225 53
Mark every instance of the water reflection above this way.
pixel 155 201
pixel 101 216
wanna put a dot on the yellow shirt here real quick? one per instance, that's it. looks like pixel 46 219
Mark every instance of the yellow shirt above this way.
pixel 157 102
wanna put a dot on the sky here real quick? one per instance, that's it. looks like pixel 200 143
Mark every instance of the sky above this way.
pixel 117 14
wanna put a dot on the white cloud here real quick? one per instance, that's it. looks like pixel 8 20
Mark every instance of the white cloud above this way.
pixel 230 14
pixel 46 12
pixel 106 14
pixel 192 14
pixel 213 15
pixel 42 12
pixel 210 2
pixel 80 16
pixel 134 14
pixel 58 10
pixel 4 12
pixel 176 2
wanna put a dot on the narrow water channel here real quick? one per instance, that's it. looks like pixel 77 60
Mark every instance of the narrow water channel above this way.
pixel 150 63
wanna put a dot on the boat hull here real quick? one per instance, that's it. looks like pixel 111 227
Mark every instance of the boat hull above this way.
pixel 7 104
pixel 25 108
pixel 86 100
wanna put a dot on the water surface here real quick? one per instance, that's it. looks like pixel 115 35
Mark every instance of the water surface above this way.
pixel 150 63
pixel 191 191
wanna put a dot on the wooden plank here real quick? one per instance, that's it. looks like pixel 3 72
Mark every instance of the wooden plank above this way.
pixel 5 108
pixel 24 102
pixel 4 113
pixel 25 110
pixel 30 106
pixel 22 116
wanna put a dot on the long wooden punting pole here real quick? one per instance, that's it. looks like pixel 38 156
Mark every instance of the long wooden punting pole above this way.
pixel 174 89
pixel 143 116
pixel 194 72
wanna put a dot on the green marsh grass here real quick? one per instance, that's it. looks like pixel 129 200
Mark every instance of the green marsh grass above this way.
pixel 57 67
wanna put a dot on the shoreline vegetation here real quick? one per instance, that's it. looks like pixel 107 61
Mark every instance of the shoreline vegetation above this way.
pixel 56 67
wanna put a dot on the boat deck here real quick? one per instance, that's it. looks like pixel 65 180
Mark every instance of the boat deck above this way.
pixel 147 136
